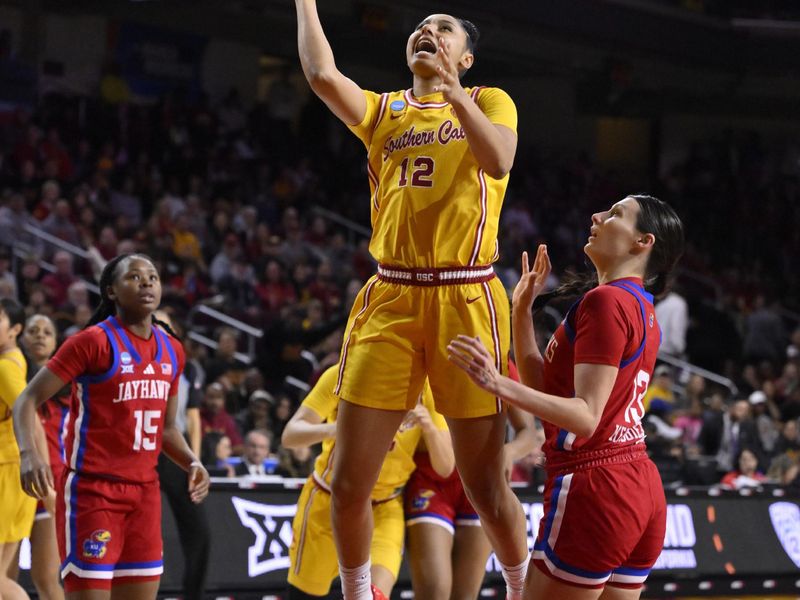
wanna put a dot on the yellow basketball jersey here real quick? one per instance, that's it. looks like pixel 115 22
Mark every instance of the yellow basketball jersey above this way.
pixel 431 203
pixel 12 381
pixel 399 462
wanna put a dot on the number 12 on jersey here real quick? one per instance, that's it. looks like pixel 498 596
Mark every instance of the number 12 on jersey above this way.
pixel 146 429
pixel 421 172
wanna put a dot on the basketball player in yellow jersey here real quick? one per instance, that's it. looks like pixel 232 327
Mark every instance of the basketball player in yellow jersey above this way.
pixel 313 564
pixel 438 156
pixel 16 507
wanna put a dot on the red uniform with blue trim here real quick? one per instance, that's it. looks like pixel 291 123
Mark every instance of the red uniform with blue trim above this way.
pixel 604 507
pixel 108 510
pixel 54 416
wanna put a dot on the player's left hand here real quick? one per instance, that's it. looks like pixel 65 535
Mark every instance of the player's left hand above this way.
pixel 472 357
pixel 447 70
pixel 199 482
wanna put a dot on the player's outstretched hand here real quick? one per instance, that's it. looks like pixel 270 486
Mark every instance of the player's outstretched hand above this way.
pixel 532 281
pixel 472 357
pixel 198 482
pixel 448 72
pixel 35 476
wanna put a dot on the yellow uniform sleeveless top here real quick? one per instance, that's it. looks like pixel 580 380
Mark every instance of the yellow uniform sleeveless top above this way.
pixel 431 203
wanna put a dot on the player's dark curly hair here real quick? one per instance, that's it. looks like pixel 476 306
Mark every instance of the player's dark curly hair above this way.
pixel 656 217
pixel 473 35
pixel 107 307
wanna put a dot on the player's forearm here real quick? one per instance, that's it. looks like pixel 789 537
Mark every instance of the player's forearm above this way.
pixel 24 420
pixel 530 363
pixel 316 55
pixel 440 451
pixel 193 430
pixel 41 440
pixel 572 414
pixel 302 434
pixel 493 150
pixel 174 445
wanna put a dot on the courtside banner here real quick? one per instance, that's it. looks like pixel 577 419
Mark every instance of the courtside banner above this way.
pixel 716 542
pixel 710 535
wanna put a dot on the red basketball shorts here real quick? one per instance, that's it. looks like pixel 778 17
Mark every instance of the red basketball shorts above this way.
pixel 441 501
pixel 108 531
pixel 602 525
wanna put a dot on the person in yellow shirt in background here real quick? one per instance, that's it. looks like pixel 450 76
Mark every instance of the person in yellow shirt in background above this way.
pixel 313 557
pixel 16 507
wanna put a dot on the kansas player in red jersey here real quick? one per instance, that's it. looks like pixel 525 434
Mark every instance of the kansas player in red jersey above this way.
pixel 124 370
pixel 604 510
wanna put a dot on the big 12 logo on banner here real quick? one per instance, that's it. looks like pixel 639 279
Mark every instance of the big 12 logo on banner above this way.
pixel 272 526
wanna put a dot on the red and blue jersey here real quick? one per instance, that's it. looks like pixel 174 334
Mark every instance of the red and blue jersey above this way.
pixel 613 324
pixel 120 386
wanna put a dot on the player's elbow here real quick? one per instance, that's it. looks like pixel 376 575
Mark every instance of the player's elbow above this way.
pixel 587 425
pixel 289 438
pixel 444 467
pixel 322 81
pixel 500 167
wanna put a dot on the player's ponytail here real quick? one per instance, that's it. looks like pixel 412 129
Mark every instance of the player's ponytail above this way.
pixel 165 326
pixel 574 285
pixel 107 308
pixel 660 219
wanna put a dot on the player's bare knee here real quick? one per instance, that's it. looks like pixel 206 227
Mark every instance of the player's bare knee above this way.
pixel 347 491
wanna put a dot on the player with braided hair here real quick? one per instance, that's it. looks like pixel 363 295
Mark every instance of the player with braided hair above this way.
pixel 123 369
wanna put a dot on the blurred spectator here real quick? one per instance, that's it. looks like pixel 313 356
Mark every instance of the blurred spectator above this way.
pixel 783 469
pixel 673 316
pixel 659 399
pixel 14 219
pixel 216 450
pixel 222 263
pixel 215 418
pixel 257 449
pixel 764 416
pixel 789 440
pixel 295 462
pixel 224 363
pixel 257 413
pixel 274 290
pixel 56 284
pixel 60 223
pixel 7 278
pixel 280 414
pixel 746 474
pixel 738 431
pixel 765 338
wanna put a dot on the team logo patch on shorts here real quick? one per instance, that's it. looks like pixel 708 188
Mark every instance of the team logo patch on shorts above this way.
pixel 95 546
pixel 422 500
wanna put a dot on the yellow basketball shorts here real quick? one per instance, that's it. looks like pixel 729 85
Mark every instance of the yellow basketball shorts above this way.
pixel 313 560
pixel 16 507
pixel 397 334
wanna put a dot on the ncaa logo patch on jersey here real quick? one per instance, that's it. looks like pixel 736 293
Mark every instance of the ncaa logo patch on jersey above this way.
pixel 422 500
pixel 652 319
pixel 95 545
pixel 397 107
pixel 125 358
pixel 166 369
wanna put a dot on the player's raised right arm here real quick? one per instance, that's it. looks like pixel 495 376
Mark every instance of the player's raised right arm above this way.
pixel 341 94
